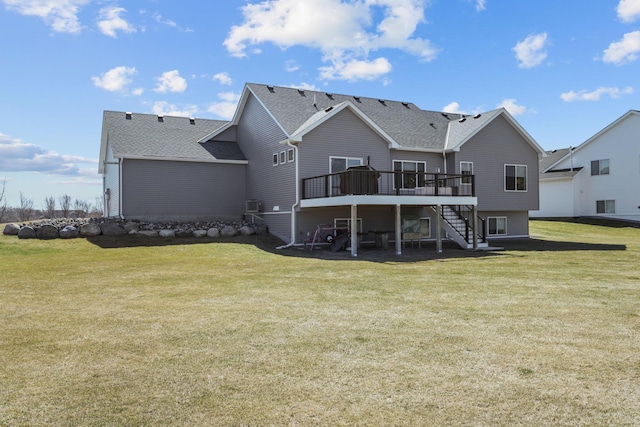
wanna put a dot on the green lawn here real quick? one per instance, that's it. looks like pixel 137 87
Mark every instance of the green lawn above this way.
pixel 195 332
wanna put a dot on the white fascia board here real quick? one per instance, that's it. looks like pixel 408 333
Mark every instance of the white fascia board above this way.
pixel 297 136
pixel 186 159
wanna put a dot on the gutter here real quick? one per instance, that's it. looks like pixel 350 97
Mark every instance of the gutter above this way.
pixel 297 202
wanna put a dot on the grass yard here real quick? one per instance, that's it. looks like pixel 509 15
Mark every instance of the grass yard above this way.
pixel 105 332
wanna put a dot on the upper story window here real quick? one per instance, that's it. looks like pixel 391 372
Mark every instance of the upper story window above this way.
pixel 340 164
pixel 600 167
pixel 515 177
pixel 412 176
pixel 466 170
pixel 290 155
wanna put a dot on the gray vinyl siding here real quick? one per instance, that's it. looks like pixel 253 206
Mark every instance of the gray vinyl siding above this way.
pixel 517 222
pixel 228 135
pixel 182 191
pixel 493 147
pixel 378 218
pixel 259 137
pixel 345 135
pixel 112 182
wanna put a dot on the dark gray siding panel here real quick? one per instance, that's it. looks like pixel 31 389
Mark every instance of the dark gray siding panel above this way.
pixel 493 147
pixel 344 135
pixel 517 222
pixel 227 135
pixel 182 191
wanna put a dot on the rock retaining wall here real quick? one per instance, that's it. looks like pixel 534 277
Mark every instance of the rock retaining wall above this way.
pixel 88 227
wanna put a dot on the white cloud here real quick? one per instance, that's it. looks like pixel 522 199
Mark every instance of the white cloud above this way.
pixel 304 86
pixel 512 107
pixel 595 95
pixel 530 51
pixel 481 5
pixel 61 15
pixel 170 81
pixel 223 78
pixel 166 109
pixel 628 10
pixel 18 156
pixel 116 79
pixel 109 21
pixel 354 69
pixel 623 51
pixel 158 18
pixel 226 107
pixel 454 108
pixel 291 65
pixel 344 32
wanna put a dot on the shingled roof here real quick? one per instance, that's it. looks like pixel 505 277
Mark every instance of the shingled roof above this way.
pixel 133 135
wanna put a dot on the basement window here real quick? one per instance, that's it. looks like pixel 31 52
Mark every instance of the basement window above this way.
pixel 605 206
pixel 497 225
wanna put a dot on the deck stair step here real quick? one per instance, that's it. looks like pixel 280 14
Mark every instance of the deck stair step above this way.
pixel 455 225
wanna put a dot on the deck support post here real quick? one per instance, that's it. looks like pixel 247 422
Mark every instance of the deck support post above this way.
pixel 398 230
pixel 354 230
pixel 439 229
pixel 474 212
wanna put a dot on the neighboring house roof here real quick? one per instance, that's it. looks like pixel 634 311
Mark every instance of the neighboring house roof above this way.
pixel 553 157
pixel 403 124
pixel 144 136
pixel 563 153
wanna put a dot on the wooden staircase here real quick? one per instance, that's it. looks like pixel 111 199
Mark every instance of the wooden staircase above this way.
pixel 457 222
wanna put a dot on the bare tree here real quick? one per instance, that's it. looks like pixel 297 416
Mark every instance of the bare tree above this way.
pixel 25 210
pixel 81 207
pixel 98 208
pixel 50 207
pixel 3 201
pixel 65 205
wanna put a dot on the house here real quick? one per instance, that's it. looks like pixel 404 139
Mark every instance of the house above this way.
pixel 296 158
pixel 598 178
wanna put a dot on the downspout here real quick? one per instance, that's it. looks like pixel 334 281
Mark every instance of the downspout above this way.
pixel 120 161
pixel 297 202
pixel 444 161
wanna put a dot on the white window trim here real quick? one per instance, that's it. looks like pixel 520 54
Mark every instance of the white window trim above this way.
pixel 416 162
pixel 600 167
pixel 283 157
pixel 290 155
pixel 489 218
pixel 462 180
pixel 526 177
pixel 359 159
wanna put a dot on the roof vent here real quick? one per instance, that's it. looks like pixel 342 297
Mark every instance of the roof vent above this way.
pixel 160 118
pixel 357 98
pixel 462 119
pixel 445 115
pixel 271 89
pixel 192 121
pixel 301 92
pixel 127 115
pixel 328 109
pixel 406 104
pixel 330 95
pixel 477 116
pixel 382 101
pixel 432 125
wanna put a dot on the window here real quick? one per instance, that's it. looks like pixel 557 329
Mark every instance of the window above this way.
pixel 466 169
pixel 515 177
pixel 275 159
pixel 283 157
pixel 346 223
pixel 600 167
pixel 606 206
pixel 340 164
pixel 497 225
pixel 409 174
pixel 290 155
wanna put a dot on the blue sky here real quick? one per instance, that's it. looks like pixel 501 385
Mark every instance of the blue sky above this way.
pixel 564 69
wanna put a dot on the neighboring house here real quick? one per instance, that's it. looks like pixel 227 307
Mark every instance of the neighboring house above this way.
pixel 299 158
pixel 599 178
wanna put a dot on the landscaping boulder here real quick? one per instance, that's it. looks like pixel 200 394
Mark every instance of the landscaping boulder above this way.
pixel 69 232
pixel 167 233
pixel 213 232
pixel 112 229
pixel 27 232
pixel 199 233
pixel 181 232
pixel 11 230
pixel 261 229
pixel 247 231
pixel 47 231
pixel 148 233
pixel 229 231
pixel 131 227
pixel 91 229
